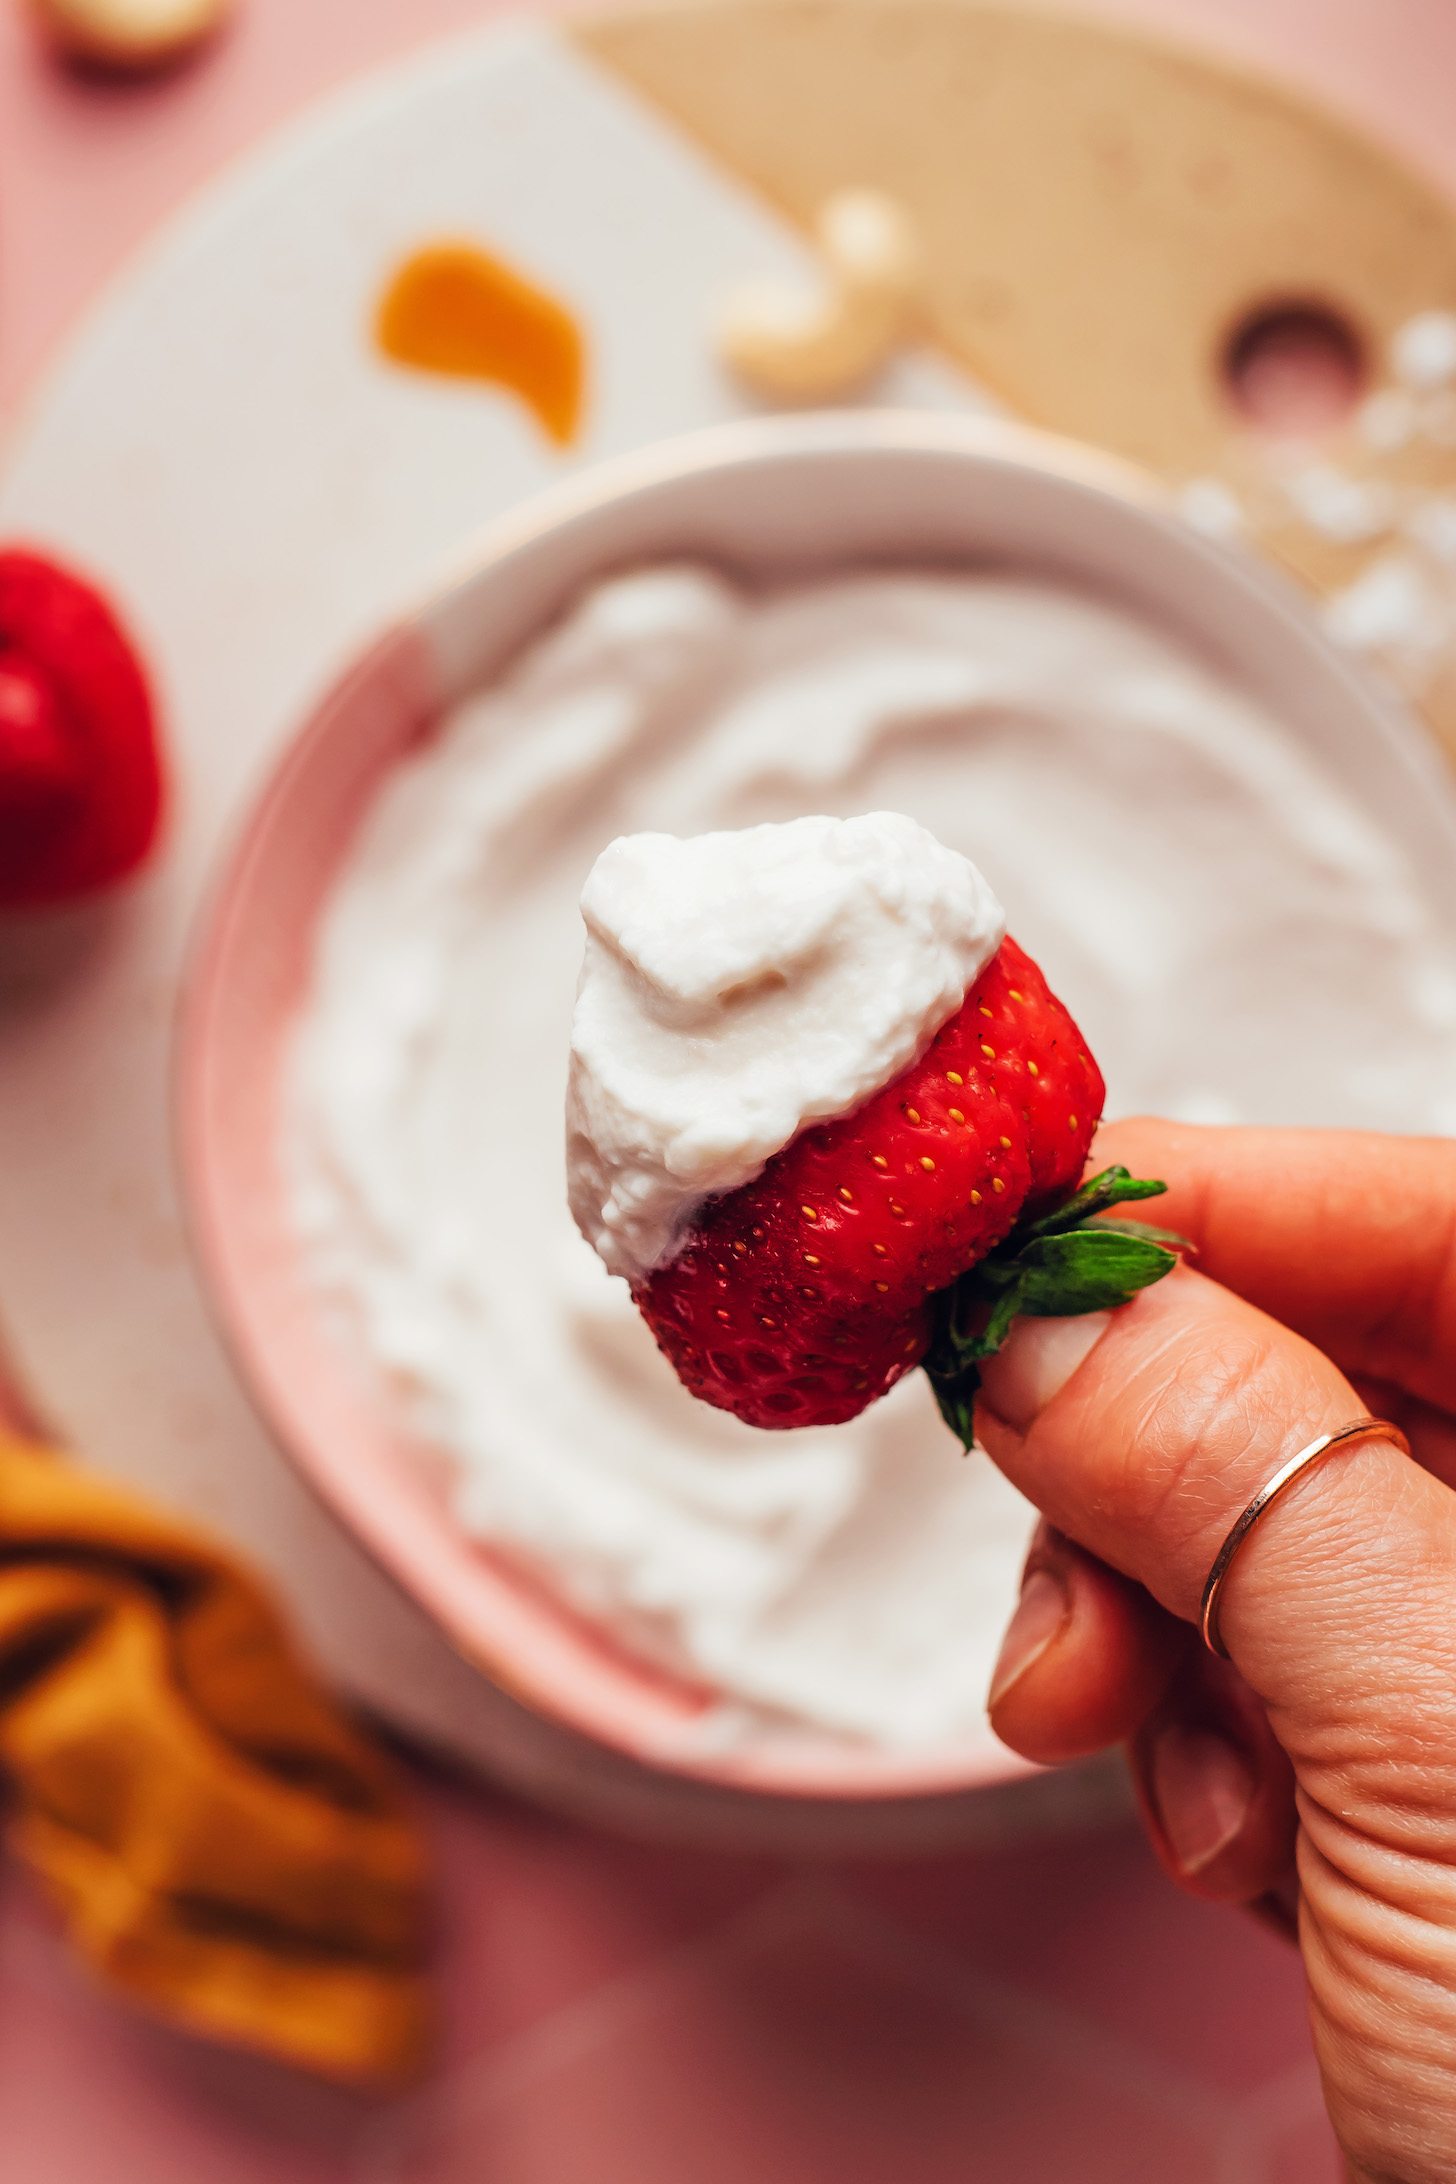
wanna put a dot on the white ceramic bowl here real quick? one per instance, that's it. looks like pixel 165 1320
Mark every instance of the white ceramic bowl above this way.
pixel 780 497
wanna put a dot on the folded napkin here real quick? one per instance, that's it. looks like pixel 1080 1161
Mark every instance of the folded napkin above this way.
pixel 222 1843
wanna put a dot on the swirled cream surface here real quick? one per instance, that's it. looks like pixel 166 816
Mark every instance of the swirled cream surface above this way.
pixel 737 986
pixel 1236 938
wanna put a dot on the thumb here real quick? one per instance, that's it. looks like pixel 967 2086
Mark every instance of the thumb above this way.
pixel 1143 1434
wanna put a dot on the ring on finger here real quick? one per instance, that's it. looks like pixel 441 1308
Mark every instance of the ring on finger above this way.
pixel 1359 1429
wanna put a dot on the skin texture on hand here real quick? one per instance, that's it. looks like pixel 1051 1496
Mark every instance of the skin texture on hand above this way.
pixel 1326 1286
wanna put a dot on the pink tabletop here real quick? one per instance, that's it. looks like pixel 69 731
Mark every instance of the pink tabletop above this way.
pixel 617 2015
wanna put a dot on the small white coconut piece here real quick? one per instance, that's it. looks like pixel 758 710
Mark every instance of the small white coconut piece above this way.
pixel 129 36
pixel 1423 351
pixel 1340 507
pixel 805 347
pixel 1392 606
pixel 1432 524
pixel 1211 507
pixel 1387 419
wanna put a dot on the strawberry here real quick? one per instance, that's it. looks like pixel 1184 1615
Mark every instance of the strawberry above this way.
pixel 80 779
pixel 807 1293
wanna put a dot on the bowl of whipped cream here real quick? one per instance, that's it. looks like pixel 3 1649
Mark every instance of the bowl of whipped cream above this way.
pixel 1233 856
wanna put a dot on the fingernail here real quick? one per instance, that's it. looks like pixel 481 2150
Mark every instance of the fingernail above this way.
pixel 1035 1362
pixel 1040 1613
pixel 1203 1788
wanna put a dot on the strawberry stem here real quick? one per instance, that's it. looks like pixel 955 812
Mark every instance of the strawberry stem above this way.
pixel 1069 1261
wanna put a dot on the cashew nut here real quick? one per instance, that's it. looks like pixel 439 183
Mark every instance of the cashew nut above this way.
pixel 129 35
pixel 800 348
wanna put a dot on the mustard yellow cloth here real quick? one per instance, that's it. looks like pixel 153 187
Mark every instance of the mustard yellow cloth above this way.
pixel 222 1844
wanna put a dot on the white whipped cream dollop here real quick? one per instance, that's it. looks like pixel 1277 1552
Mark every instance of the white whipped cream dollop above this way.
pixel 1237 934
pixel 737 986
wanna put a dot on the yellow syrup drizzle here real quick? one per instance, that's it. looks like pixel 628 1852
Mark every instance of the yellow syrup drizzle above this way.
pixel 452 308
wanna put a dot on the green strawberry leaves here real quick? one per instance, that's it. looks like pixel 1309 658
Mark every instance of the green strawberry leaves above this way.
pixel 1114 1187
pixel 1072 1260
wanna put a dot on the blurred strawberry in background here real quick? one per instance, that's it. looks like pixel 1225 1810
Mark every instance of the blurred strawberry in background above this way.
pixel 80 776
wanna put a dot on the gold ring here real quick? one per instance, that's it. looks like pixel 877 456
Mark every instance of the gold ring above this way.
pixel 1357 1430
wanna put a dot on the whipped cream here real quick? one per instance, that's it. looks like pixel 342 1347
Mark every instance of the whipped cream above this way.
pixel 737 986
pixel 1235 934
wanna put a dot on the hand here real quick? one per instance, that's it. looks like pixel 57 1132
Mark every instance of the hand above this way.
pixel 1326 1287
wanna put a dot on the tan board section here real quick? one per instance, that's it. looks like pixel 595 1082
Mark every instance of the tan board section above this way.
pixel 1098 209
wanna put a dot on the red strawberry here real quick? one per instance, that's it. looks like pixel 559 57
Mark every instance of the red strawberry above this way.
pixel 80 780
pixel 801 1297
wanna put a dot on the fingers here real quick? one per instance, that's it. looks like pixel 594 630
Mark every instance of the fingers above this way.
pixel 1143 1435
pixel 1215 1788
pixel 1085 1658
pixel 1347 1237
pixel 1089 1660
